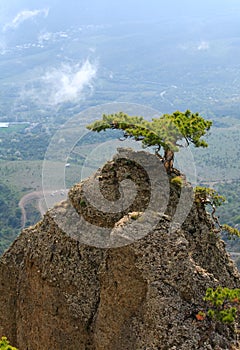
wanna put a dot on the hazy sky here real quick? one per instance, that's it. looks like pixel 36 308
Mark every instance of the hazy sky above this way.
pixel 110 11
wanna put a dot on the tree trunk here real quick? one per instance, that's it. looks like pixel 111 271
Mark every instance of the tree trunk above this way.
pixel 168 160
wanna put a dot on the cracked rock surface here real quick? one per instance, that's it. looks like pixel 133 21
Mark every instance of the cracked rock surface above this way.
pixel 142 292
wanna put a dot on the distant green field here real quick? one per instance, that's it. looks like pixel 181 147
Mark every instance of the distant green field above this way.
pixel 26 176
pixel 220 162
pixel 13 128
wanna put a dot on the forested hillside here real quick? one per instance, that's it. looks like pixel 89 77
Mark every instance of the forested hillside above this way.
pixel 10 215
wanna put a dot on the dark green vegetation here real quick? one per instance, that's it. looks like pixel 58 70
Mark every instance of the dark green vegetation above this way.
pixel 229 214
pixel 230 211
pixel 10 216
pixel 166 131
pixel 213 202
pixel 23 142
pixel 220 162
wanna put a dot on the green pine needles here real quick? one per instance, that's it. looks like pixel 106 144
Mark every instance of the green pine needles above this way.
pixel 166 132
pixel 232 232
pixel 208 196
pixel 223 305
pixel 4 344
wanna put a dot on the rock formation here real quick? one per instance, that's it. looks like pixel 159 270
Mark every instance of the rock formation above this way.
pixel 87 279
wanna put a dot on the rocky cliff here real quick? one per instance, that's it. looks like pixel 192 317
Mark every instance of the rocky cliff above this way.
pixel 128 275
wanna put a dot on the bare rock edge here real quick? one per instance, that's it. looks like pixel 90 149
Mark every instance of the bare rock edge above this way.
pixel 60 289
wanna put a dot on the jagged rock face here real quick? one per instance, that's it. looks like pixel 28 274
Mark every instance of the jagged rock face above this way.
pixel 58 293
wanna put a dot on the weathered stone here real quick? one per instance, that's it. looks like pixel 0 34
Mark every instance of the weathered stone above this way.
pixel 58 293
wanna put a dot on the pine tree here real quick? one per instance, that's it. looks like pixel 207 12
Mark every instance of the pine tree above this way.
pixel 165 132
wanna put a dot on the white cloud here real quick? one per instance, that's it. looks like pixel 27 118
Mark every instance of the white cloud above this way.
pixel 203 46
pixel 48 36
pixel 24 16
pixel 193 46
pixel 67 83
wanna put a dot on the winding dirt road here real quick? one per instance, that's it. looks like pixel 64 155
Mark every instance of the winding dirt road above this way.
pixel 39 197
